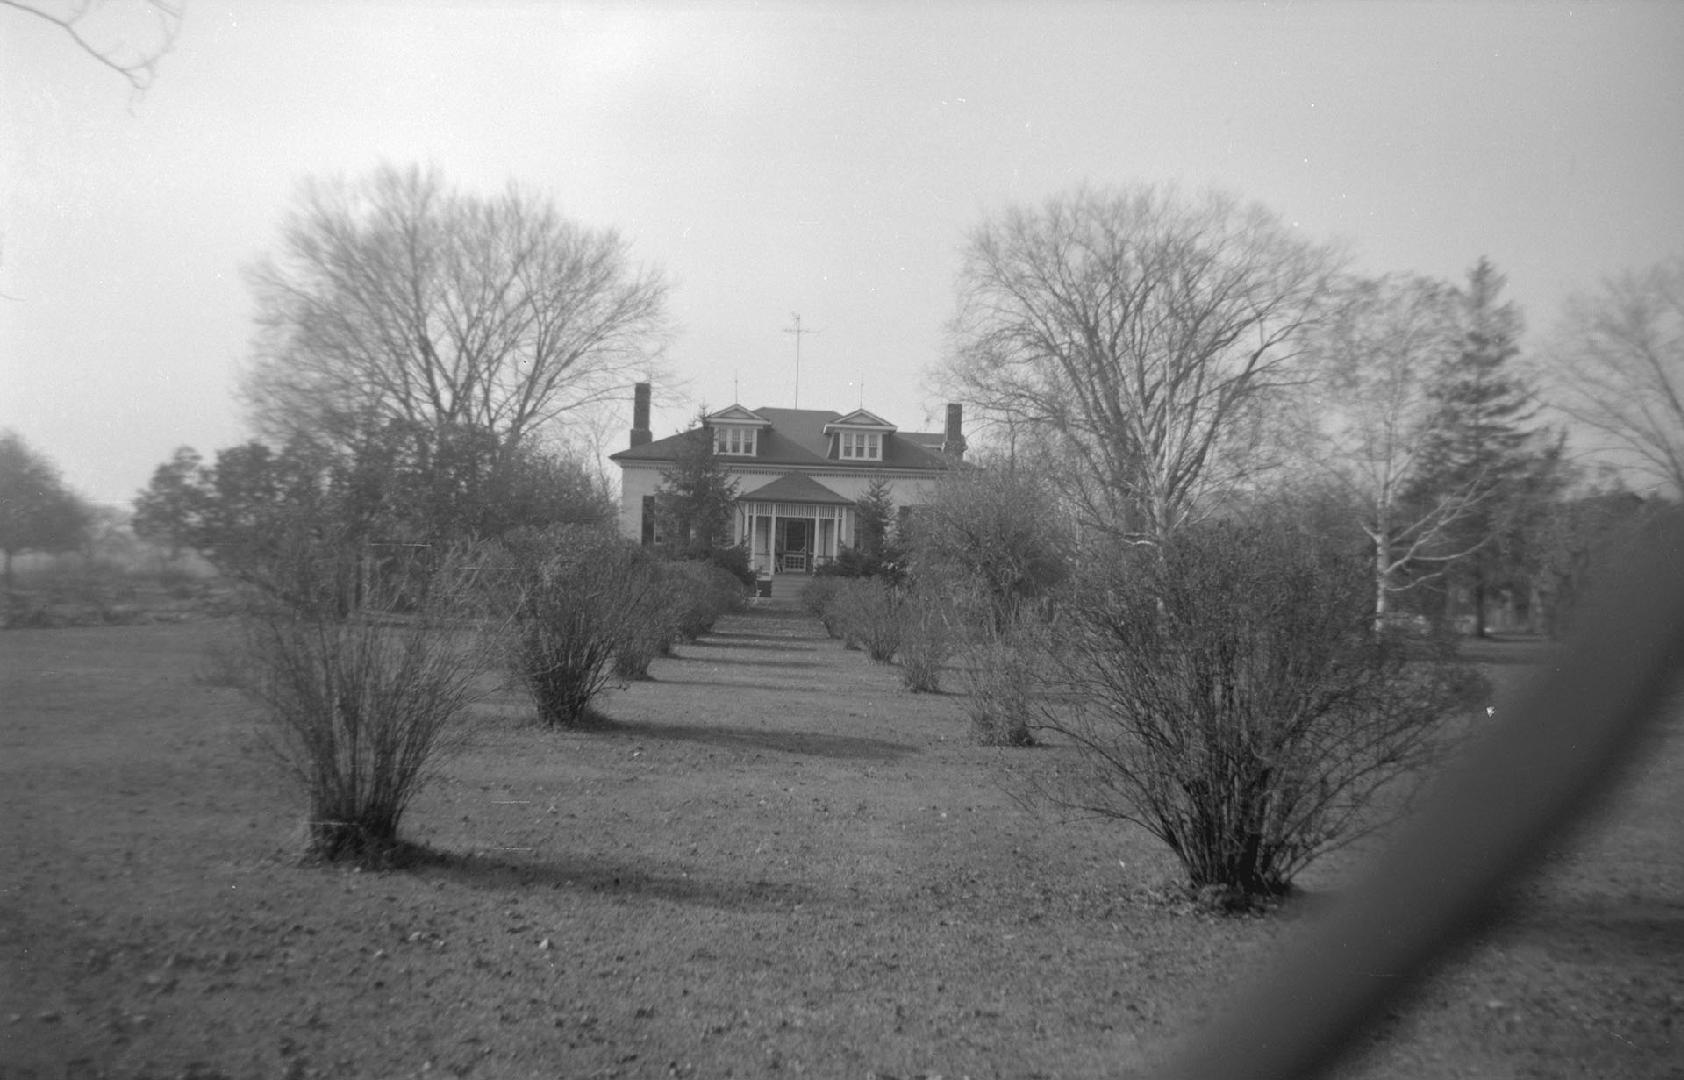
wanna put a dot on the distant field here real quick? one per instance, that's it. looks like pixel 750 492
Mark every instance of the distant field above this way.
pixel 778 863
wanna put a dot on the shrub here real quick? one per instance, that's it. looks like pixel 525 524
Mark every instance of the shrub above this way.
pixel 852 562
pixel 1001 678
pixel 653 625
pixel 927 640
pixel 701 592
pixel 818 598
pixel 868 611
pixel 358 701
pixel 638 651
pixel 577 597
pixel 1233 700
pixel 997 534
pixel 735 562
pixel 71 589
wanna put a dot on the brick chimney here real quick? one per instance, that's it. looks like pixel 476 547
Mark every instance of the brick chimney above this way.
pixel 953 439
pixel 640 433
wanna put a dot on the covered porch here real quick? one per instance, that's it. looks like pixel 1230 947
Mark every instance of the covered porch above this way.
pixel 793 525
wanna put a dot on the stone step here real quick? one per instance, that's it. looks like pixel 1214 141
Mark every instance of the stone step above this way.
pixel 786 592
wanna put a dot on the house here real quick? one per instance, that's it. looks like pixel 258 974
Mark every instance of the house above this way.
pixel 798 473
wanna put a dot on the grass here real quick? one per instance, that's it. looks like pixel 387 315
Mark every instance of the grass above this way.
pixel 773 862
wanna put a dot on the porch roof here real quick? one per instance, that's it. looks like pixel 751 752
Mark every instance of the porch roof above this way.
pixel 794 488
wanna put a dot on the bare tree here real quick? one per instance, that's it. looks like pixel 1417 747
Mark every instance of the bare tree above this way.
pixel 1618 367
pixel 397 297
pixel 1140 330
pixel 128 36
pixel 1374 358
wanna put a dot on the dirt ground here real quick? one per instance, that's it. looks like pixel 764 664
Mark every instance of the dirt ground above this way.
pixel 777 862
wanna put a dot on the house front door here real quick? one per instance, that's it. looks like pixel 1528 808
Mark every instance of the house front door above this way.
pixel 795 552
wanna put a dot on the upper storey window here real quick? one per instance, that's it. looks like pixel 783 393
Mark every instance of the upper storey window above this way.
pixel 734 440
pixel 861 446
pixel 858 436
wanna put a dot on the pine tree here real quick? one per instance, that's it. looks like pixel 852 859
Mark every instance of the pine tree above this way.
pixel 1486 439
pixel 874 517
pixel 874 552
pixel 696 497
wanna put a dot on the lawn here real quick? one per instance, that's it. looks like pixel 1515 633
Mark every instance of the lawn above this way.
pixel 776 863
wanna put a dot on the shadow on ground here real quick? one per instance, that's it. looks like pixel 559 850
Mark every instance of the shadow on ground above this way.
pixel 1614 931
pixel 716 640
pixel 806 743
pixel 756 661
pixel 1528 651
pixel 584 873
pixel 740 684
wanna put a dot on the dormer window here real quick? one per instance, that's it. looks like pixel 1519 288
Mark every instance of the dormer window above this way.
pixel 736 431
pixel 858 436
pixel 860 446
pixel 734 440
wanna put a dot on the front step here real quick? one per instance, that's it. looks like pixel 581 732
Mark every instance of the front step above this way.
pixel 786 592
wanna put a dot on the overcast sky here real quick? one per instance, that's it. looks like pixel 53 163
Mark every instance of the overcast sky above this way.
pixel 826 159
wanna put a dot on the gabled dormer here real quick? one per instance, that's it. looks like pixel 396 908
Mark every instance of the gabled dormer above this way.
pixel 859 436
pixel 736 431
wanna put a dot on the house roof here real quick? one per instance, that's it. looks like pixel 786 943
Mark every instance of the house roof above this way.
pixel 736 414
pixel 797 437
pixel 794 488
pixel 859 418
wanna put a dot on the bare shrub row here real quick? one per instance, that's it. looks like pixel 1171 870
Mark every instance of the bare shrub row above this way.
pixel 1228 693
pixel 365 665
pixel 1225 689
pixel 363 681
pixel 589 609
pixel 688 597
pixel 890 623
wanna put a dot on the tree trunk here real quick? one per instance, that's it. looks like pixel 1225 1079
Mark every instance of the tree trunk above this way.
pixel 1382 582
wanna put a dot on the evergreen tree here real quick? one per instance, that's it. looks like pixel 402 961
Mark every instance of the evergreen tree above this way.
pixel 877 550
pixel 1486 439
pixel 874 519
pixel 696 498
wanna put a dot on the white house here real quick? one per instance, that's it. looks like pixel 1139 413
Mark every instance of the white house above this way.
pixel 798 473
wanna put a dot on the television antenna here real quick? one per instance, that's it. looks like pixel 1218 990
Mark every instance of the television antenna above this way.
pixel 798 331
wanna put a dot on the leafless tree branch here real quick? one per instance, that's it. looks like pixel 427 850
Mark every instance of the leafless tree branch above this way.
pixel 1368 420
pixel 1137 331
pixel 396 298
pixel 138 64
pixel 1617 367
